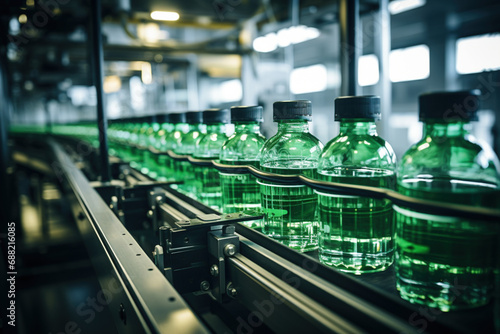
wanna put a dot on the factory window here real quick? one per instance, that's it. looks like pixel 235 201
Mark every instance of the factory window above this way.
pixel 478 53
pixel 368 71
pixel 230 91
pixel 308 79
pixel 285 37
pixel 400 6
pixel 409 64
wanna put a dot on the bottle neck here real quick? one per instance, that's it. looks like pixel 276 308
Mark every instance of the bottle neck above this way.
pixel 293 125
pixel 446 129
pixel 180 127
pixel 247 127
pixel 358 127
pixel 216 128
pixel 197 127
pixel 167 126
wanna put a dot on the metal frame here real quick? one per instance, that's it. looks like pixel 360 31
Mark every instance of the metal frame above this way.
pixel 142 300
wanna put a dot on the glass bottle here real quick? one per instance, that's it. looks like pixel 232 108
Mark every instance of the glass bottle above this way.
pixel 169 142
pixel 147 165
pixel 131 139
pixel 208 147
pixel 356 234
pixel 290 210
pixel 441 261
pixel 151 159
pixel 241 191
pixel 139 140
pixel 187 144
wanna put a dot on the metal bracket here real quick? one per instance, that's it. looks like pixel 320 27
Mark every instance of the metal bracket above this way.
pixel 221 244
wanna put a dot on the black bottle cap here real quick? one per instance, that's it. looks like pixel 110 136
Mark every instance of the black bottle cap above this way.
pixel 163 118
pixel 299 109
pixel 177 118
pixel 247 114
pixel 213 116
pixel 350 107
pixel 150 119
pixel 449 107
pixel 145 119
pixel 194 117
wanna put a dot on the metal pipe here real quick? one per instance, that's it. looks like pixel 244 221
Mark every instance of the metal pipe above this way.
pixel 97 70
pixel 350 48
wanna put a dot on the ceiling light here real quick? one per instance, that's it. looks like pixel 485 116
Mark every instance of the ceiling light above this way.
pixel 164 16
pixel 266 43
pixel 399 6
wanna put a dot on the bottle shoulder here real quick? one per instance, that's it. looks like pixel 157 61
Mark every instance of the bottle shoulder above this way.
pixel 450 158
pixel 209 145
pixel 357 151
pixel 242 146
pixel 290 148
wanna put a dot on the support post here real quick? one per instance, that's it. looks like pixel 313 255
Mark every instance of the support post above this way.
pixel 97 71
pixel 349 40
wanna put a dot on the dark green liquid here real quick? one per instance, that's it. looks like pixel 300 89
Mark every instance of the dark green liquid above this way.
pixel 208 190
pixel 290 211
pixel 447 262
pixel 356 233
pixel 240 191
pixel 186 174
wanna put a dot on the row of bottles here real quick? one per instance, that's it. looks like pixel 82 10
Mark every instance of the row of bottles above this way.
pixel 444 262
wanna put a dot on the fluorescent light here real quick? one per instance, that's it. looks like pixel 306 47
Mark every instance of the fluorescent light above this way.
pixel 284 37
pixel 164 16
pixel 368 72
pixel 478 53
pixel 309 79
pixel 399 6
pixel 266 43
pixel 409 64
pixel 302 33
pixel 112 84
pixel 146 74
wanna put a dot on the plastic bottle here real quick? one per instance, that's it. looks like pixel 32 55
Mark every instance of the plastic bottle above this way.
pixel 290 210
pixel 241 191
pixel 356 234
pixel 208 147
pixel 147 165
pixel 442 261
pixel 142 142
pixel 154 161
pixel 170 142
pixel 187 145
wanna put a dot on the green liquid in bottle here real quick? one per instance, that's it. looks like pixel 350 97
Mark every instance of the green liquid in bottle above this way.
pixel 290 210
pixel 447 262
pixel 240 192
pixel 208 188
pixel 356 234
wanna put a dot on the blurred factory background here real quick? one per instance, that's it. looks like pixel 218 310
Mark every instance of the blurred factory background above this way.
pixel 242 52
pixel 179 55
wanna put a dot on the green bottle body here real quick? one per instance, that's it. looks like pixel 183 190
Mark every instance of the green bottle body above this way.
pixel 207 179
pixel 187 146
pixel 169 142
pixel 241 191
pixel 447 262
pixel 290 210
pixel 147 166
pixel 356 233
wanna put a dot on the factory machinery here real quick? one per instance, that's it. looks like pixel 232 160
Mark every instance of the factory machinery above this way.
pixel 173 265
